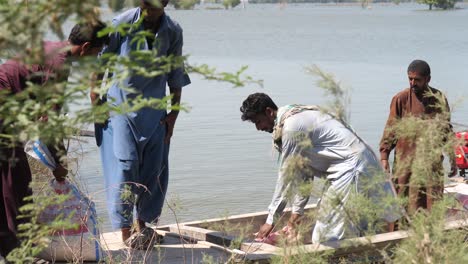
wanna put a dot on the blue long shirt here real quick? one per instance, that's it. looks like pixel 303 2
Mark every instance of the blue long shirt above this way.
pixel 140 125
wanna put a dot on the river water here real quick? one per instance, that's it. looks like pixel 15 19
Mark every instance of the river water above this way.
pixel 220 165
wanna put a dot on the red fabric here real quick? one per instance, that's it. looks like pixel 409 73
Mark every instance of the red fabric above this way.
pixel 14 74
pixel 14 183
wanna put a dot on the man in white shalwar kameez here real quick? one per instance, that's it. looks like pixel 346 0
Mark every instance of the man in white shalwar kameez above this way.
pixel 315 144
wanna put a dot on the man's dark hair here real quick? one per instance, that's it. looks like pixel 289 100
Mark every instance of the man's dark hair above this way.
pixel 256 104
pixel 420 67
pixel 88 32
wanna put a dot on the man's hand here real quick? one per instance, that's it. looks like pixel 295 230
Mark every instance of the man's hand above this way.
pixel 169 121
pixel 385 165
pixel 44 118
pixel 265 229
pixel 294 220
pixel 60 173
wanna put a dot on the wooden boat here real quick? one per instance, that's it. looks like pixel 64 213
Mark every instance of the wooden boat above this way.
pixel 234 234
pixel 231 238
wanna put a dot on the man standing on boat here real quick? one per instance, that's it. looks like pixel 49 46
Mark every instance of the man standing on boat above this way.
pixel 314 144
pixel 135 145
pixel 418 104
pixel 14 75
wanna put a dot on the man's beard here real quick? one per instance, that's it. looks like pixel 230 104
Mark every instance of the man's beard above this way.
pixel 417 89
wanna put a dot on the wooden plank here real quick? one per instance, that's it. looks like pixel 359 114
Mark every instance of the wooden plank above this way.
pixel 252 247
pixel 172 250
pixel 86 133
pixel 354 245
pixel 182 238
pixel 344 247
pixel 256 257
pixel 258 217
pixel 198 233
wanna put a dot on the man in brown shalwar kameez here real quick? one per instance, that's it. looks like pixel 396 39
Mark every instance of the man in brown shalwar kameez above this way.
pixel 423 104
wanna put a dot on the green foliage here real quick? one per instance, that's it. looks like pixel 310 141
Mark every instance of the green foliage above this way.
pixel 33 233
pixel 443 4
pixel 365 3
pixel 340 95
pixel 27 21
pixel 230 3
pixel 430 137
pixel 145 63
pixel 430 3
pixel 185 4
pixel 430 242
pixel 22 29
pixel 119 5
pixel 116 5
pixel 207 259
pixel 237 79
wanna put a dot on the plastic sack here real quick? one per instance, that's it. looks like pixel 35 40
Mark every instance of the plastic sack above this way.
pixel 74 244
pixel 40 152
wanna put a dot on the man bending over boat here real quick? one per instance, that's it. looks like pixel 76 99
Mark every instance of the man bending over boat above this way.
pixel 312 144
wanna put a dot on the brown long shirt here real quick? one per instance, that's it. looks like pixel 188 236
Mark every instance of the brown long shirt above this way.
pixel 408 104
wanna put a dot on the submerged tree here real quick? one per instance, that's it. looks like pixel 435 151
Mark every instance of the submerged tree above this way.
pixel 443 4
pixel 116 5
pixel 230 3
pixel 184 4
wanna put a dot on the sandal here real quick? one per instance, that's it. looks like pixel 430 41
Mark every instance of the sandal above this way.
pixel 144 240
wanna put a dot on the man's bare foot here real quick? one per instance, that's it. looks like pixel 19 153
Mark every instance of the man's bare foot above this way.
pixel 141 225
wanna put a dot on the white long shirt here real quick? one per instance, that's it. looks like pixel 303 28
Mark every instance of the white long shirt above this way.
pixel 328 149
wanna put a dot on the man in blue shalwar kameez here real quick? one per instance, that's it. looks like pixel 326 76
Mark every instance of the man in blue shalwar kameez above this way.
pixel 135 145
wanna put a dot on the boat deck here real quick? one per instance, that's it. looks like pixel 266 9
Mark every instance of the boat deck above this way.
pixel 174 249
pixel 205 241
pixel 211 241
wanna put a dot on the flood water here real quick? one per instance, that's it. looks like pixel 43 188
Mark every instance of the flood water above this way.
pixel 220 165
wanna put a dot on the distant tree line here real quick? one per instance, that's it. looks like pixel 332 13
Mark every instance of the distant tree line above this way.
pixel 118 5
pixel 336 1
pixel 319 1
pixel 443 4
